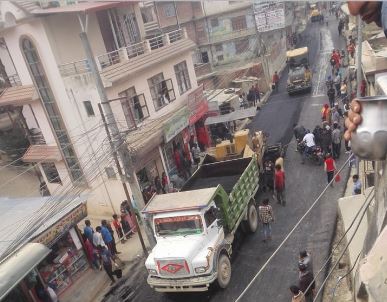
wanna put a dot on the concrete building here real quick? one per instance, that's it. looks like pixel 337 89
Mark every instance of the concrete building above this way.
pixel 150 83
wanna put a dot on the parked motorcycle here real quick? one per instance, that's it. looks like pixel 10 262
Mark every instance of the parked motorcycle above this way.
pixel 316 155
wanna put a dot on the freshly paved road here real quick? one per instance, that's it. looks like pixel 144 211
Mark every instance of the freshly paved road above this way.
pixel 304 184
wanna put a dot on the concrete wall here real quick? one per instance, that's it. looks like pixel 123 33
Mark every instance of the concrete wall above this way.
pixel 186 11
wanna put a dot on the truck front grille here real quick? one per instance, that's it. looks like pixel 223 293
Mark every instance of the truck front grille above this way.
pixel 173 267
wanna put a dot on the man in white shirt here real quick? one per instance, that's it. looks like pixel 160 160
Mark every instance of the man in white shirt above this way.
pixel 309 144
pixel 97 238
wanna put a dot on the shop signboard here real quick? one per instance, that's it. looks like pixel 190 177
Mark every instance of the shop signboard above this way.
pixel 62 225
pixel 269 15
pixel 176 124
pixel 197 105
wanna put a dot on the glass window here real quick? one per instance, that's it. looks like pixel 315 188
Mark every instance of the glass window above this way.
pixel 89 108
pixel 219 47
pixel 241 46
pixel 182 77
pixel 41 82
pixel 134 106
pixel 147 14
pixel 169 10
pixel 220 58
pixel 214 22
pixel 162 91
pixel 238 23
pixel 51 172
pixel 210 216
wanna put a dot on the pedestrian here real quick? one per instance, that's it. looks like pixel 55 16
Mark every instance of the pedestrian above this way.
pixel 107 259
pixel 88 230
pixel 266 216
pixel 329 168
pixel 157 183
pixel 280 162
pixel 309 144
pixel 326 139
pixel 275 81
pixel 91 253
pixel 331 96
pixel 279 185
pixel 326 113
pixel 251 97
pixel 336 114
pixel 343 90
pixel 117 226
pixel 306 259
pixel 337 82
pixel 257 94
pixel 299 132
pixel 363 88
pixel 298 296
pixel 164 182
pixel 196 154
pixel 107 237
pixel 317 135
pixel 356 185
pixel 242 102
pixel 306 282
pixel 268 175
pixel 336 141
pixel 97 237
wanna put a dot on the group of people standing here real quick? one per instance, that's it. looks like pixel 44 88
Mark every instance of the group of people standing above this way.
pixel 252 98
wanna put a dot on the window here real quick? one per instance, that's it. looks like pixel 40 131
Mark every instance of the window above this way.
pixel 111 174
pixel 147 14
pixel 51 172
pixel 182 77
pixel 169 10
pixel 205 58
pixel 210 216
pixel 220 58
pixel 89 108
pixel 219 47
pixel 214 22
pixel 134 106
pixel 40 79
pixel 162 91
pixel 238 23
pixel 241 46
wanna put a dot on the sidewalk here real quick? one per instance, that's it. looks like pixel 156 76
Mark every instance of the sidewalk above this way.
pixel 94 283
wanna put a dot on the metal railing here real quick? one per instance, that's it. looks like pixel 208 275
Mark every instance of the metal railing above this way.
pixel 135 50
pixel 109 58
pixel 72 68
pixel 156 42
pixel 175 35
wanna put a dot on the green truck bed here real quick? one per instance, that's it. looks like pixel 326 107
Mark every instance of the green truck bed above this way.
pixel 238 180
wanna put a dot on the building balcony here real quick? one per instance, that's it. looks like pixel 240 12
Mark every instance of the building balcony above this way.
pixel 18 95
pixel 130 59
pixel 227 36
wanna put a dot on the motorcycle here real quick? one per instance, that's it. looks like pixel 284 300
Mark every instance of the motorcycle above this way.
pixel 316 155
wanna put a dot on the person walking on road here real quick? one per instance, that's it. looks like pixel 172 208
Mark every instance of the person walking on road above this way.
pixel 279 184
pixel 329 168
pixel 306 259
pixel 331 96
pixel 306 282
pixel 336 141
pixel 266 216
pixel 297 295
pixel 275 81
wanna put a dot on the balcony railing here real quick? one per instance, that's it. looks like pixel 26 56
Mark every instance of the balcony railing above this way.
pixel 124 54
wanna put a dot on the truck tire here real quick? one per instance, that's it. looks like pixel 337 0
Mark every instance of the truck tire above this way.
pixel 252 218
pixel 224 271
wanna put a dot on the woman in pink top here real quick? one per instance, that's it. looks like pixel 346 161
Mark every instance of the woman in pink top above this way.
pixel 329 167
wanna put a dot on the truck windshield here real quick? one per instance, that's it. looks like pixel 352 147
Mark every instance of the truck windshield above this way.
pixel 179 226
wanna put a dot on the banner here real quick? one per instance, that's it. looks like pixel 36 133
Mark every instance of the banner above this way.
pixel 269 15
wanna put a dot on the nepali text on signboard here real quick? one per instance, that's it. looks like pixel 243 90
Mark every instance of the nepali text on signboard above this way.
pixel 176 124
pixel 269 15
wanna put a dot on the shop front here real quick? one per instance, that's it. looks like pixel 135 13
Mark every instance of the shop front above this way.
pixel 64 261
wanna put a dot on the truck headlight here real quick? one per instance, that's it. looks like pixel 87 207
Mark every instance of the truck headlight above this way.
pixel 200 270
pixel 152 271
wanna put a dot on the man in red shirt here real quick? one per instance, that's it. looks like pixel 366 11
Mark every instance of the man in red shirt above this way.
pixel 275 81
pixel 279 184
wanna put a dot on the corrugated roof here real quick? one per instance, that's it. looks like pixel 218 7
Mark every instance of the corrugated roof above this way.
pixel 121 70
pixel 44 153
pixel 18 95
pixel 181 200
pixel 77 8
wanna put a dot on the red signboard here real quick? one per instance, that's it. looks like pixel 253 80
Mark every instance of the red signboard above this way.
pixel 197 105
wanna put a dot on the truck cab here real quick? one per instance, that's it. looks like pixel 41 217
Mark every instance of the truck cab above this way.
pixel 299 77
pixel 189 238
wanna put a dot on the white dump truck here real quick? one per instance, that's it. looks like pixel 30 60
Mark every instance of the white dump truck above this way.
pixel 195 228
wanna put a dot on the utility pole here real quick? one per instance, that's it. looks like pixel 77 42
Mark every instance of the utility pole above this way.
pixel 358 55
pixel 118 142
pixel 122 180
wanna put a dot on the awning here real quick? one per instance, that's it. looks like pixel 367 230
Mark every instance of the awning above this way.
pixel 42 153
pixel 14 268
pixel 233 116
pixel 18 95
pixel 83 7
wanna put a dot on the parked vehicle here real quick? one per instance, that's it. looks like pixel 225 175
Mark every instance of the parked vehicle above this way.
pixel 195 228
pixel 315 156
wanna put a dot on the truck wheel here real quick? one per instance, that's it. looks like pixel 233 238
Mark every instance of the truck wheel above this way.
pixel 224 271
pixel 252 218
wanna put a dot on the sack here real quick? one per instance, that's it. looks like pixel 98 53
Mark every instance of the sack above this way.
pixel 118 273
pixel 337 178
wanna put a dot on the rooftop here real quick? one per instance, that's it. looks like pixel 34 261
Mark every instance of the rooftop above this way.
pixel 186 200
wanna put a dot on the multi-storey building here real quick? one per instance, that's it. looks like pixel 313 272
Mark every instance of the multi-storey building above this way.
pixel 150 84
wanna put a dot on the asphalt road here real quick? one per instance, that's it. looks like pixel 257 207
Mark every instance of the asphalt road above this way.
pixel 304 183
